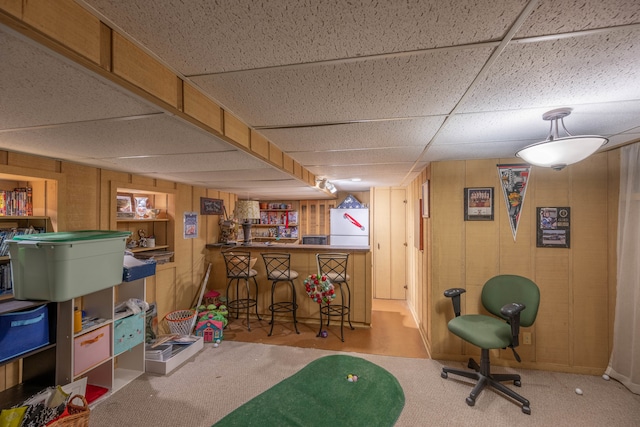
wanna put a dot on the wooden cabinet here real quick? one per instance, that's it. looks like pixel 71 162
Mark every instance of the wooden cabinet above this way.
pixel 96 352
pixel 276 224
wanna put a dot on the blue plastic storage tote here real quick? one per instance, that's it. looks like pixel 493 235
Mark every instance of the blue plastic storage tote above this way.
pixel 23 331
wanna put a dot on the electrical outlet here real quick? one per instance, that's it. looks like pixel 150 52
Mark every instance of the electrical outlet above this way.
pixel 526 338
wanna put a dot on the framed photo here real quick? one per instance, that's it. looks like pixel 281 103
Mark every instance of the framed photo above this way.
pixel 478 204
pixel 211 206
pixel 553 227
pixel 425 199
pixel 124 206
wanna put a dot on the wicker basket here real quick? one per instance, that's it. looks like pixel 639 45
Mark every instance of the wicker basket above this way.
pixel 78 415
pixel 180 321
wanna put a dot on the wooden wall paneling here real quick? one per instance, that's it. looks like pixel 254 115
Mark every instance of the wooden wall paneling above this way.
pixel 381 243
pixel 482 249
pixel 183 249
pixel 142 70
pixel 552 326
pixel 287 163
pixel 68 23
pixel 259 145
pixel 278 158
pixel 36 164
pixel 589 269
pixel 83 208
pixel 398 243
pixel 613 181
pixel 236 130
pixel 166 284
pixel 448 250
pixel 13 7
pixel 201 108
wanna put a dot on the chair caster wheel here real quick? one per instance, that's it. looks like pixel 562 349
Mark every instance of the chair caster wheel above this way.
pixel 472 402
pixel 526 410
pixel 444 375
pixel 517 383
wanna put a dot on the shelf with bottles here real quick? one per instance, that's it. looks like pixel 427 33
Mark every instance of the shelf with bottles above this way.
pixel 271 217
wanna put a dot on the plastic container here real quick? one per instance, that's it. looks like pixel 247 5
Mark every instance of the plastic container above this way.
pixel 61 266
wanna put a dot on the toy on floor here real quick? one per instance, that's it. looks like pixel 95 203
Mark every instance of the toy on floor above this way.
pixel 212 319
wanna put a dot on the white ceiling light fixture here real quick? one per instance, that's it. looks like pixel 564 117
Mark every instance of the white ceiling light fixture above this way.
pixel 556 152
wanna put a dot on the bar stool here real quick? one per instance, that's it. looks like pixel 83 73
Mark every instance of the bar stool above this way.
pixel 238 264
pixel 334 266
pixel 279 270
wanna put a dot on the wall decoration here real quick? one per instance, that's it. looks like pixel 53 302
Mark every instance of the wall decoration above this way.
pixel 124 206
pixel 190 225
pixel 478 204
pixel 425 199
pixel 553 227
pixel 211 206
pixel 514 180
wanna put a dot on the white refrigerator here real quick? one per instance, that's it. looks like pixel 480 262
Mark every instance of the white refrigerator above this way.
pixel 349 227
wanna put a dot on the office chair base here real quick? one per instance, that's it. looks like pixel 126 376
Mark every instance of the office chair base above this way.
pixel 482 373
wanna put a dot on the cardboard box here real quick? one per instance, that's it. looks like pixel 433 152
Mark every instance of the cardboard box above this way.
pixel 62 266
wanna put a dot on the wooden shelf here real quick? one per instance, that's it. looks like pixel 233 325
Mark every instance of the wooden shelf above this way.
pixel 135 250
pixel 275 225
pixel 143 220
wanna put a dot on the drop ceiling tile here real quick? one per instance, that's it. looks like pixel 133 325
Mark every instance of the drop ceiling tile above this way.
pixel 208 37
pixel 565 16
pixel 190 162
pixel 570 71
pixel 38 87
pixel 151 135
pixel 412 86
pixel 359 157
pixel 356 135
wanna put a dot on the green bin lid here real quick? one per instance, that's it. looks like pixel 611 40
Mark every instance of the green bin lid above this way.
pixel 73 236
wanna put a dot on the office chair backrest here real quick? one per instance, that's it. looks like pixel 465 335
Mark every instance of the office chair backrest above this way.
pixel 507 288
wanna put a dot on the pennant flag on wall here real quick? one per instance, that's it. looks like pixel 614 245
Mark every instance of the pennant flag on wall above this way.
pixel 514 179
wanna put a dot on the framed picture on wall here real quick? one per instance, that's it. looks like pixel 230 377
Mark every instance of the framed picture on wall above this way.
pixel 211 206
pixel 425 199
pixel 553 227
pixel 478 204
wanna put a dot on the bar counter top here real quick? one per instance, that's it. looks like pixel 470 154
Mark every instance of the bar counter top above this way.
pixel 303 260
pixel 290 246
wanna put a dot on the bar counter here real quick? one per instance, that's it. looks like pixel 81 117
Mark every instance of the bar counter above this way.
pixel 303 260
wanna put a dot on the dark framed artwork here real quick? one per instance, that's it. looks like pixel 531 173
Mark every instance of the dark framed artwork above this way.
pixel 553 227
pixel 211 206
pixel 478 204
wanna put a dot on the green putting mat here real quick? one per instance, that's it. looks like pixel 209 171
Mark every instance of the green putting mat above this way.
pixel 321 395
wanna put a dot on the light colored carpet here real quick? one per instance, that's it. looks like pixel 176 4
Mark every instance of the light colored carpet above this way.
pixel 218 380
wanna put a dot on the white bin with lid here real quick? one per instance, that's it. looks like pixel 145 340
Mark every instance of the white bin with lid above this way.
pixel 65 265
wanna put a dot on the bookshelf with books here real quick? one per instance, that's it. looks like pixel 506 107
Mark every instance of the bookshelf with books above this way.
pixel 20 198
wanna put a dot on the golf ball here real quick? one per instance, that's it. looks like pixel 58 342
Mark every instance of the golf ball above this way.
pixel 579 391
pixel 605 377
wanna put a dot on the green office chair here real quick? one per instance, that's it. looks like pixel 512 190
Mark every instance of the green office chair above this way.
pixel 515 300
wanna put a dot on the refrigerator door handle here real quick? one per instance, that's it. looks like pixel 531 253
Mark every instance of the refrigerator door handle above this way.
pixel 353 221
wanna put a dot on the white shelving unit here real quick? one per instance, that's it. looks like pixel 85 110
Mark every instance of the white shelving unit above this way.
pixel 113 371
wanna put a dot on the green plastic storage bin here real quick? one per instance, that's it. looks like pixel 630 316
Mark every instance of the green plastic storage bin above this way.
pixel 65 265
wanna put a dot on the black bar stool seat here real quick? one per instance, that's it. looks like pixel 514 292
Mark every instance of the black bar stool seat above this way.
pixel 279 270
pixel 238 264
pixel 334 267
